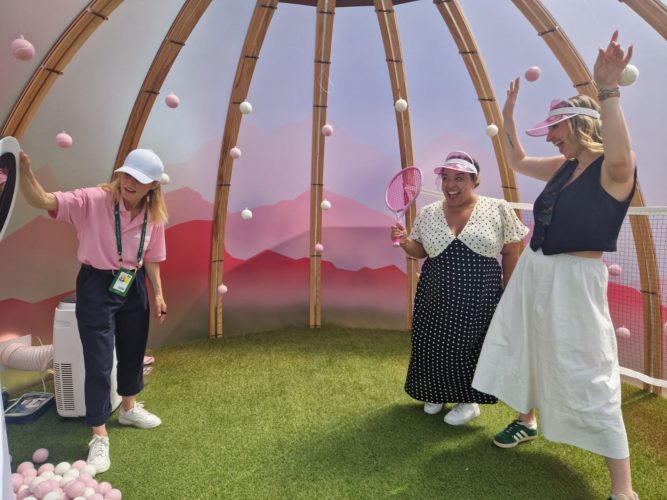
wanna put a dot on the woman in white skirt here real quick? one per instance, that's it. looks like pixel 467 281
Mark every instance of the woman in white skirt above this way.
pixel 551 343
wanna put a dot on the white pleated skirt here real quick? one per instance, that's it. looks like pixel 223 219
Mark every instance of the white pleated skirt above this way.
pixel 551 346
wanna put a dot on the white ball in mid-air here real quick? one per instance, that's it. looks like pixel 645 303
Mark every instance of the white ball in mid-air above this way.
pixel 628 75
pixel 235 153
pixel 492 130
pixel 400 105
pixel 319 247
pixel 622 332
pixel 245 107
pixel 327 130
pixel 246 214
pixel 325 205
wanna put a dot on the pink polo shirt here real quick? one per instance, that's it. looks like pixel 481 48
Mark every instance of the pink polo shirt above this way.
pixel 90 210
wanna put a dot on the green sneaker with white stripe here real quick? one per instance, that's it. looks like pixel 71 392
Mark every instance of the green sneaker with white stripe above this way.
pixel 515 433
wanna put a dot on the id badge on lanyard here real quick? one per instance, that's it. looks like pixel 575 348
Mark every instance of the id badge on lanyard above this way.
pixel 123 279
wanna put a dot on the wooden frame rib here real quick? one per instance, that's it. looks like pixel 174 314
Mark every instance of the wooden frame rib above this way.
pixel 187 18
pixel 54 63
pixel 326 10
pixel 394 55
pixel 582 80
pixel 465 41
pixel 259 25
pixel 653 12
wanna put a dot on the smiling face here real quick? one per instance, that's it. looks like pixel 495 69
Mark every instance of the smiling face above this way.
pixel 561 136
pixel 132 191
pixel 458 187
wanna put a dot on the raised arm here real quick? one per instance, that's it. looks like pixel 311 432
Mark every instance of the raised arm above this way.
pixel 32 190
pixel 619 161
pixel 539 168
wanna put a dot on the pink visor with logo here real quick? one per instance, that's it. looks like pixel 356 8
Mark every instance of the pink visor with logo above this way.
pixel 459 161
pixel 559 111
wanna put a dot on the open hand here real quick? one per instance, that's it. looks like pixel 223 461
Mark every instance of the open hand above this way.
pixel 610 63
pixel 510 101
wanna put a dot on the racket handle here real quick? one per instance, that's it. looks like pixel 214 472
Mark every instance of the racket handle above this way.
pixel 397 242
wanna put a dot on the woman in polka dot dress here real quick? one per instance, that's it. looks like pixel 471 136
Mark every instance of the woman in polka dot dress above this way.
pixel 459 287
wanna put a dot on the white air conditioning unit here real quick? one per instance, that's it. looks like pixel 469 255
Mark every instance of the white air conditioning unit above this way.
pixel 69 370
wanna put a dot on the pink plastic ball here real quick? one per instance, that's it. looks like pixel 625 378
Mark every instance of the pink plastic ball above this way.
pixel 104 487
pixel 664 328
pixel 114 494
pixel 95 496
pixel 17 481
pixel 22 49
pixel 25 466
pixel 63 140
pixel 23 494
pixel 222 289
pixel 533 73
pixel 319 247
pixel 75 489
pixel 29 475
pixel 327 130
pixel 44 467
pixel 43 488
pixel 79 464
pixel 172 100
pixel 235 153
pixel 623 332
pixel 615 270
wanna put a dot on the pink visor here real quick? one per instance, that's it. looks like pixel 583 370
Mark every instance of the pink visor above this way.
pixel 459 161
pixel 559 111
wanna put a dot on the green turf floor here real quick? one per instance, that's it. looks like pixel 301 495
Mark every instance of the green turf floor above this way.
pixel 322 414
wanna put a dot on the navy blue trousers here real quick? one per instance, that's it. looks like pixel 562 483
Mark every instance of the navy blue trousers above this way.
pixel 105 320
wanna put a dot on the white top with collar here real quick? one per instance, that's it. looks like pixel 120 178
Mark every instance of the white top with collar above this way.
pixel 492 224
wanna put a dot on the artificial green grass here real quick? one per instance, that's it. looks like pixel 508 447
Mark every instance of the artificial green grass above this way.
pixel 322 414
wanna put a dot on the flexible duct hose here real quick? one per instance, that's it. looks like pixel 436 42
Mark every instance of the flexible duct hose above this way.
pixel 30 358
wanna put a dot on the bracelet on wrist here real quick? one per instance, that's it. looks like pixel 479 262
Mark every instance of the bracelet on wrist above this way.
pixel 606 93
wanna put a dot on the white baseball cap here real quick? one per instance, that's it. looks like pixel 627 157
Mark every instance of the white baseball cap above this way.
pixel 145 166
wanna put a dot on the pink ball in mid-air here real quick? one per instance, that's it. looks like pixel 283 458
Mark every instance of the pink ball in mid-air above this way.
pixel 222 289
pixel 622 332
pixel 235 153
pixel 22 49
pixel 172 100
pixel 63 140
pixel 319 247
pixel 327 130
pixel 533 73
pixel 615 270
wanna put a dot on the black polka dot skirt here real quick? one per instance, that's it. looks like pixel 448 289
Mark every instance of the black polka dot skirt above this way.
pixel 456 296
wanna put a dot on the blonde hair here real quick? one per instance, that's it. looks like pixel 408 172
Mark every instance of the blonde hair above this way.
pixel 586 130
pixel 157 208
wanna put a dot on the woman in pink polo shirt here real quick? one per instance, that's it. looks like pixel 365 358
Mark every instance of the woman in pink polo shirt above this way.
pixel 120 227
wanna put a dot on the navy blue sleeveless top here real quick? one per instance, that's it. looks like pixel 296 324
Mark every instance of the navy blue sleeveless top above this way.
pixel 581 216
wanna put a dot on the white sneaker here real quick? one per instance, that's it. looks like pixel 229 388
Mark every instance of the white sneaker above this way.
pixel 462 413
pixel 432 408
pixel 98 453
pixel 138 417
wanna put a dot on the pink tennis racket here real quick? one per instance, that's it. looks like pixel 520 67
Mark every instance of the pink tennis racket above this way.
pixel 403 189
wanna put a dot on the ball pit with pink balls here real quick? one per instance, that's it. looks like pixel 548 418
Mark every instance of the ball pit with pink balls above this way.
pixel 74 480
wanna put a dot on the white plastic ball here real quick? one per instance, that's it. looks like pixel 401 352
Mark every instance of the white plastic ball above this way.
pixel 172 100
pixel 623 332
pixel 222 289
pixel 164 178
pixel 615 270
pixel 53 495
pixel 246 214
pixel 245 107
pixel 400 105
pixel 325 205
pixel 319 247
pixel 628 75
pixel 35 482
pixel 90 470
pixel 492 130
pixel 62 467
pixel 235 153
pixel 327 130
pixel 88 492
pixel 63 140
pixel 47 474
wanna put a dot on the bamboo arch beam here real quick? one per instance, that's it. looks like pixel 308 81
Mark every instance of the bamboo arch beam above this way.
pixel 178 33
pixel 653 12
pixel 392 48
pixel 462 34
pixel 54 63
pixel 582 80
pixel 323 34
pixel 259 25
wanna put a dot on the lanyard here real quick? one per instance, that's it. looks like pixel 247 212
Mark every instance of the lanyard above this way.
pixel 119 244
